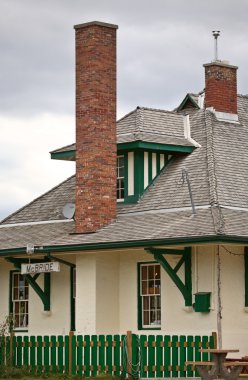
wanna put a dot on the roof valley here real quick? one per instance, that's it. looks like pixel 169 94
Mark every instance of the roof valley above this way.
pixel 217 215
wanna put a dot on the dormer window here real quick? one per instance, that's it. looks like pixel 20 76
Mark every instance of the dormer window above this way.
pixel 120 178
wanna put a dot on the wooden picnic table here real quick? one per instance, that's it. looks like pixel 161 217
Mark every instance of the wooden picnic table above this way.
pixel 218 366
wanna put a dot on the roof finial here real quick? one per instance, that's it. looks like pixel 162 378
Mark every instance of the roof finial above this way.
pixel 216 34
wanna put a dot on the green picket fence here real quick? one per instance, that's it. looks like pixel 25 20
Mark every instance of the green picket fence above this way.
pixel 145 356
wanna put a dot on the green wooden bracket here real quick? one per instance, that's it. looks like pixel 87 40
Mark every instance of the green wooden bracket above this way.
pixel 246 275
pixel 43 294
pixel 186 287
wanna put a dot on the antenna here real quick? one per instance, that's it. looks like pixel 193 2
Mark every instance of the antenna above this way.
pixel 216 34
pixel 185 177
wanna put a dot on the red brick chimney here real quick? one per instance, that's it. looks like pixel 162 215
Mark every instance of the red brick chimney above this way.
pixel 221 87
pixel 95 125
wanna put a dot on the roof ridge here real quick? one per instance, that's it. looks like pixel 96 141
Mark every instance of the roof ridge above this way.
pixel 128 114
pixel 34 200
pixel 217 215
pixel 63 147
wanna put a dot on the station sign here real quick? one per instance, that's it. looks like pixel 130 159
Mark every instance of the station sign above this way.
pixel 52 266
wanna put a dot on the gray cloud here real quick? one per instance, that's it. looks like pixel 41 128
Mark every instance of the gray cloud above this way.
pixel 162 45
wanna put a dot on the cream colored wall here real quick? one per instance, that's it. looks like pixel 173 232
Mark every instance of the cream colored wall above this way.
pixel 57 321
pixel 5 269
pixel 86 293
pixel 107 293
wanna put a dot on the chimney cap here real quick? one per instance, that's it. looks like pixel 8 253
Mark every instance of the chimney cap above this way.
pixel 220 63
pixel 99 23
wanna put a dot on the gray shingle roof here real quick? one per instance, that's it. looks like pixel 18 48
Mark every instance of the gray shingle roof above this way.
pixel 149 125
pixel 218 174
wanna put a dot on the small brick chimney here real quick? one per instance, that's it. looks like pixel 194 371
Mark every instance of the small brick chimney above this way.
pixel 221 87
pixel 95 125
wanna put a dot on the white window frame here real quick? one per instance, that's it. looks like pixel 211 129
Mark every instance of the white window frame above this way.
pixel 120 179
pixel 20 301
pixel 150 294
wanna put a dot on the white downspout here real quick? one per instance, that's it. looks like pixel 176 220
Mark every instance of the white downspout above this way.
pixel 187 132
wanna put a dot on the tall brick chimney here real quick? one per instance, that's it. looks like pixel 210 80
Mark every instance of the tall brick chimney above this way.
pixel 95 125
pixel 221 87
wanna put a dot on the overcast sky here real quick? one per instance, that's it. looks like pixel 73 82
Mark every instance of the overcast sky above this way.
pixel 162 45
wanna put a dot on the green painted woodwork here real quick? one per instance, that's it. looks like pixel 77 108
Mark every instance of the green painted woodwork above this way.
pixel 102 353
pixel 161 356
pixel 94 355
pixel 80 355
pixel 73 355
pixel 117 356
pixel 72 301
pixel 31 280
pixel 155 147
pixel 151 355
pixel 39 354
pixel 182 350
pixel 87 350
pixel 143 349
pixel 179 241
pixel 61 353
pixel 19 351
pixel 186 287
pixel 190 355
pixel 46 353
pixel 149 167
pixel 53 354
pixel 174 355
pixel 139 300
pixel 32 353
pixel 167 356
pixel 246 275
pixel 109 358
pixel 202 302
pixel 123 364
pixel 188 98
pixel 70 155
pixel 138 173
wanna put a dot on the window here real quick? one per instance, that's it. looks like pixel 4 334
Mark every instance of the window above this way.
pixel 120 178
pixel 149 296
pixel 19 300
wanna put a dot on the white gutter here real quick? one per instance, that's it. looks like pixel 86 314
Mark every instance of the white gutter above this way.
pixel 187 132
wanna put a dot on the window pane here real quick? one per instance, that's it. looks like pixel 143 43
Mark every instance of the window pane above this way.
pixel 144 272
pixel 150 288
pixel 151 271
pixel 20 292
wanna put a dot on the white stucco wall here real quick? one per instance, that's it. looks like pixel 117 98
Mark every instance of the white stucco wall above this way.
pixel 106 295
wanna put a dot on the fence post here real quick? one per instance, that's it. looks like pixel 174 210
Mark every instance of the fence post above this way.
pixel 214 335
pixel 129 354
pixel 11 349
pixel 71 333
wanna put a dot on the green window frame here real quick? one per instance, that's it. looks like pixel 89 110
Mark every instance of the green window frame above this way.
pixel 149 296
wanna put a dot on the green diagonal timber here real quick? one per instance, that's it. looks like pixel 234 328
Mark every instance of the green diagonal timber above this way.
pixel 43 294
pixel 186 287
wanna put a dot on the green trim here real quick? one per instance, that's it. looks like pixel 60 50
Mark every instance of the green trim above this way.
pixel 218 239
pixel 131 199
pixel 185 100
pixel 125 175
pixel 149 167
pixel 43 294
pixel 69 155
pixel 158 163
pixel 149 146
pixel 186 287
pixel 139 314
pixel 246 275
pixel 138 173
pixel 19 331
pixel 72 301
